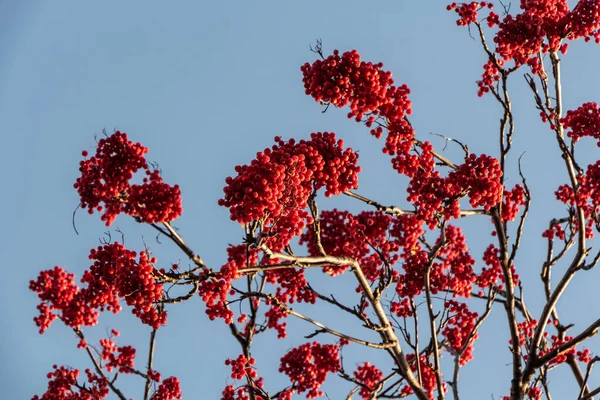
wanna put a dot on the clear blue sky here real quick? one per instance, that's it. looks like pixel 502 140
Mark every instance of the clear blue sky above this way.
pixel 205 85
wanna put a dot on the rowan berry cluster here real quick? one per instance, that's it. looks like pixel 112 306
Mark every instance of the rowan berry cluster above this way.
pixel 511 202
pixel 491 75
pixel 587 198
pixel 214 290
pixel 534 393
pixel 458 331
pixel 119 357
pixel 584 121
pixel 540 27
pixel 105 183
pixel 275 187
pixel 63 384
pixel 292 286
pixel 454 273
pixel 114 274
pixel 370 376
pixel 478 178
pixel 242 367
pixel 169 389
pixel 557 230
pixel 307 366
pixel 584 21
pixel 370 91
pixel 468 11
pixel 489 276
pixel 354 236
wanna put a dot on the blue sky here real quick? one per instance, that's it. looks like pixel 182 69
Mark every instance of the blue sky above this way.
pixel 205 85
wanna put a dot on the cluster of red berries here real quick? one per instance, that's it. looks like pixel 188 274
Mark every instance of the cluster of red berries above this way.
pixel 119 357
pixel 307 366
pixel 479 178
pixel 511 202
pixel 242 392
pixel 584 121
pixel 453 273
pixel 214 291
pixel 542 26
pixel 274 315
pixel 105 178
pixel 114 274
pixel 345 234
pixel 369 91
pixel 242 367
pixel 584 21
pixel 169 389
pixel 467 12
pixel 60 296
pixel 459 328
pixel 63 384
pixel 526 330
pixel 489 276
pixel 370 376
pixel 345 79
pixel 275 187
pixel 491 75
pixel 555 230
pixel 534 393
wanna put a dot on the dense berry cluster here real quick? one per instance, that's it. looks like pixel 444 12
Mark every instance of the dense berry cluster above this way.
pixel 114 274
pixel 370 376
pixel 511 202
pixel 105 183
pixel 354 236
pixel 540 27
pixel 169 389
pixel 369 91
pixel 584 21
pixel 275 187
pixel 63 385
pixel 467 12
pixel 307 366
pixel 242 367
pixel 479 178
pixel 489 276
pixel 453 273
pixel 556 230
pixel 459 328
pixel 584 121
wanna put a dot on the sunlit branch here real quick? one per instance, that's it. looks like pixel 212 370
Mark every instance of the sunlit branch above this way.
pixel 325 328
pixel 395 211
pixel 436 353
pixel 150 359
pixel 386 332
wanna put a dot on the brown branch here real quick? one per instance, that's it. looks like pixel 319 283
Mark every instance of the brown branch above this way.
pixel 395 211
pixel 325 328
pixel 436 353
pixel 386 332
pixel 150 359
